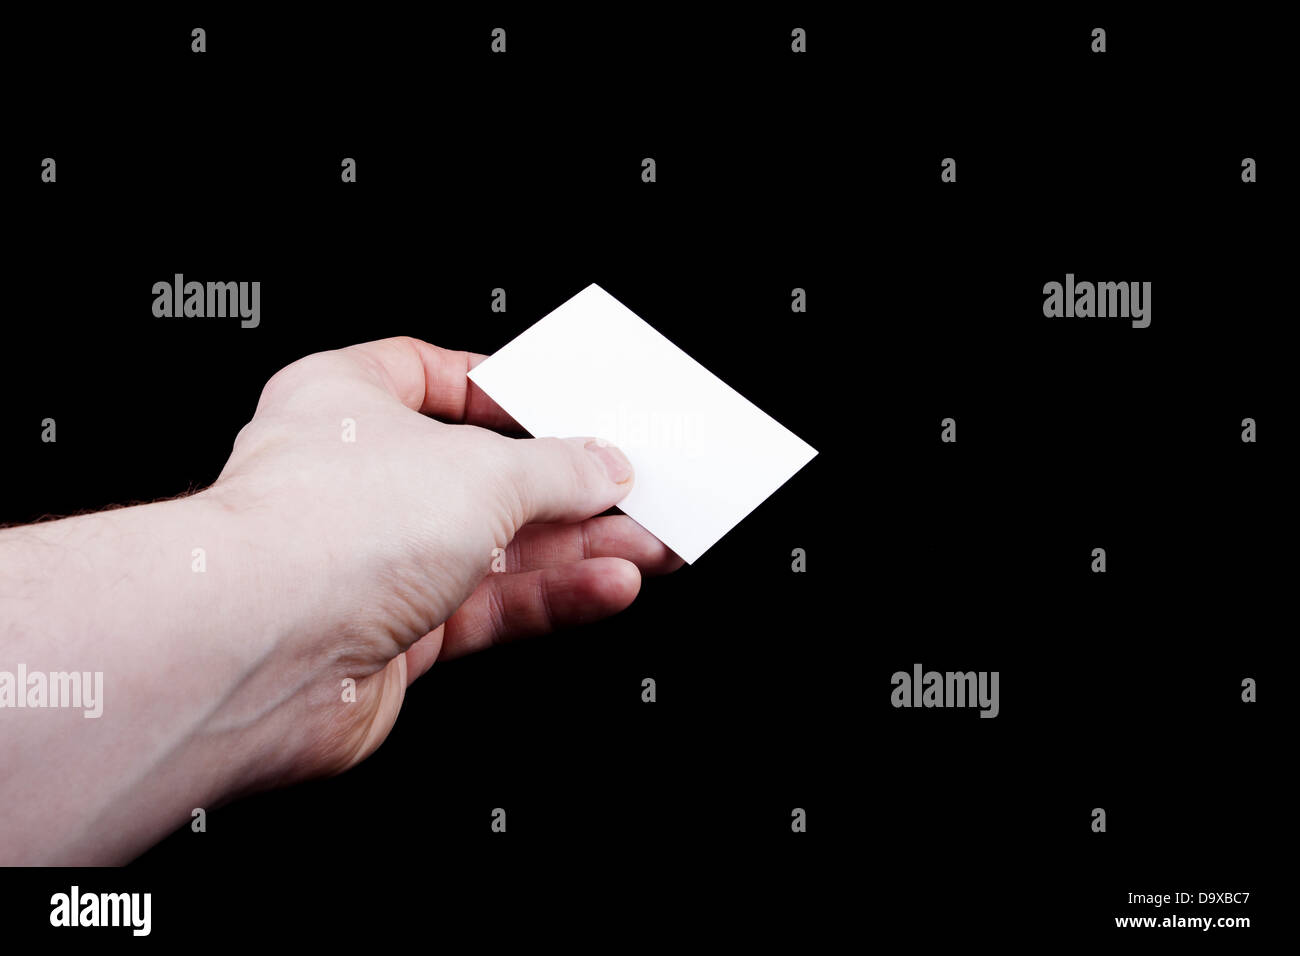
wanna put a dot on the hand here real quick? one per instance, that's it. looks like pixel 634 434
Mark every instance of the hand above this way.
pixel 324 560
pixel 390 539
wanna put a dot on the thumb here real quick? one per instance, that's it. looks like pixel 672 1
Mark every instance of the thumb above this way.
pixel 567 479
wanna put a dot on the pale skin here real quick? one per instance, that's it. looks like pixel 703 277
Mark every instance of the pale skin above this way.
pixel 324 560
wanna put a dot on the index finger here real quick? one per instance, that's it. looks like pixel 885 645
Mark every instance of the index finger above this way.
pixel 433 381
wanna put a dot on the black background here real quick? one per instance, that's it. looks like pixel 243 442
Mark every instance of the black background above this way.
pixel 671 821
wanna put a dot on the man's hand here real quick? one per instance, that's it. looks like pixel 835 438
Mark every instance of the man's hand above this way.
pixel 391 537
pixel 356 532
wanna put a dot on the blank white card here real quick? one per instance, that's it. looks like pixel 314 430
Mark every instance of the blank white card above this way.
pixel 705 457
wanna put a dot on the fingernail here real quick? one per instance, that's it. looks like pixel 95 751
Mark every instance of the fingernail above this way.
pixel 616 464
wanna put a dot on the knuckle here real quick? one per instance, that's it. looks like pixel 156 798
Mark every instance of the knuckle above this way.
pixel 579 465
pixel 509 479
pixel 495 609
pixel 287 381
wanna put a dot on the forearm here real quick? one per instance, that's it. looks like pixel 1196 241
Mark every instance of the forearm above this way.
pixel 174 632
pixel 265 631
